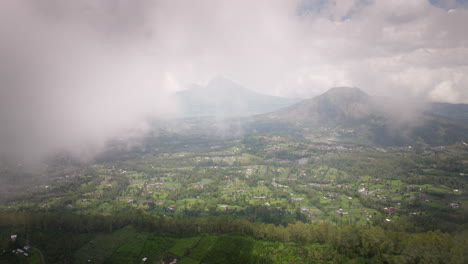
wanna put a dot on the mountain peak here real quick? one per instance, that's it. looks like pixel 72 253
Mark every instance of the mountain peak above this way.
pixel 339 97
pixel 220 82
pixel 345 92
pixel 337 105
pixel 223 97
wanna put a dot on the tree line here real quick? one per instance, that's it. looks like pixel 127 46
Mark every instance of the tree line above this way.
pixel 371 243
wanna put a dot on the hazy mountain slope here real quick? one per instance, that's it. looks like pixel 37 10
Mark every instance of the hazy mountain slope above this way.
pixel 351 108
pixel 431 130
pixel 224 98
pixel 341 105
pixel 451 111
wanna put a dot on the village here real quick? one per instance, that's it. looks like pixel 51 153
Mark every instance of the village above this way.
pixel 276 179
pixel 272 180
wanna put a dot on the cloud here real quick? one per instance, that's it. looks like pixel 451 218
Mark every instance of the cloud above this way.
pixel 76 73
pixel 277 49
pixel 74 76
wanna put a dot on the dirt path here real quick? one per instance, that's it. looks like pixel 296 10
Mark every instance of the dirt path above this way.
pixel 40 254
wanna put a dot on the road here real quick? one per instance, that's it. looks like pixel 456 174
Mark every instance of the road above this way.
pixel 40 254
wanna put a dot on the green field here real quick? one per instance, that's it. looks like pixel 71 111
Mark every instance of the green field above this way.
pixel 185 199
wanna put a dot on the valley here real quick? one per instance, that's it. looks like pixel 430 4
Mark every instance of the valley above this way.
pixel 331 179
pixel 242 185
pixel 233 132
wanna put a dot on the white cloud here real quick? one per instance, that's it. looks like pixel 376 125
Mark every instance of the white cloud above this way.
pixel 80 71
pixel 444 92
pixel 268 47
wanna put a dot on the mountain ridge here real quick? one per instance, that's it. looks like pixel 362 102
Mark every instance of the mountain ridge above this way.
pixel 222 97
pixel 338 104
pixel 351 108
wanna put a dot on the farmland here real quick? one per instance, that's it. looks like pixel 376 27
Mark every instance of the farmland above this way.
pixel 270 181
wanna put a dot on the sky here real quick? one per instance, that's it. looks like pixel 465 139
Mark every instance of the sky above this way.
pixel 76 73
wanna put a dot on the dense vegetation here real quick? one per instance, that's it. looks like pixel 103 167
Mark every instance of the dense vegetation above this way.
pixel 264 198
pixel 63 236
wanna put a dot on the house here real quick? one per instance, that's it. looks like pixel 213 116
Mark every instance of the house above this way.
pixel 13 237
pixel 364 191
pixel 341 212
pixel 390 209
pixel 297 199
pixel 144 259
pixel 318 184
pixel 454 205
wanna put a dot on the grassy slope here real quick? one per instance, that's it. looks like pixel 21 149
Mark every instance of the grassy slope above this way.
pixel 128 245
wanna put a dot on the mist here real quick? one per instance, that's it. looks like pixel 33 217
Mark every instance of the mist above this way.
pixel 76 74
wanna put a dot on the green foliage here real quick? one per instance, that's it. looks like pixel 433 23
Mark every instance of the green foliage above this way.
pixel 288 198
pixel 183 246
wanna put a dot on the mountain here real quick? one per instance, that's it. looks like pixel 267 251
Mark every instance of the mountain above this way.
pixel 351 109
pixel 224 98
pixel 340 105
pixel 457 112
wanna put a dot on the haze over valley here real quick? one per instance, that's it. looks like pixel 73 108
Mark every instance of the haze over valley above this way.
pixel 207 131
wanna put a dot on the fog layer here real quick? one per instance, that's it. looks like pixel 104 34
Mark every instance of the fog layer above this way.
pixel 76 73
